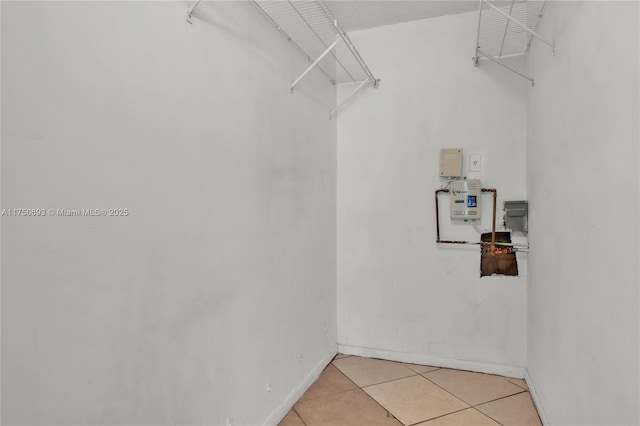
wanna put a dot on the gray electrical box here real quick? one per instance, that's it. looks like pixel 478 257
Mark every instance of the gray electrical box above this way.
pixel 516 215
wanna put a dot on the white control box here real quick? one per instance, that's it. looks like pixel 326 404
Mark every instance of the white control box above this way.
pixel 450 162
pixel 464 196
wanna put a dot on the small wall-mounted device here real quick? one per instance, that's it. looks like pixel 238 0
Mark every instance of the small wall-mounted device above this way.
pixel 451 162
pixel 464 196
pixel 516 216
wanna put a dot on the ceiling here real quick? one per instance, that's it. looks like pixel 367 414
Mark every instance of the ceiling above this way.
pixel 355 15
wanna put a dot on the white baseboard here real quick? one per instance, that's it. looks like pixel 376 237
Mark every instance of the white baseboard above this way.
pixel 536 398
pixel 480 367
pixel 295 395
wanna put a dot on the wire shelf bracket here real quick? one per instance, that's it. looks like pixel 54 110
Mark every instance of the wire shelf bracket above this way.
pixel 507 32
pixel 314 64
pixel 499 62
pixel 190 10
pixel 356 90
pixel 312 29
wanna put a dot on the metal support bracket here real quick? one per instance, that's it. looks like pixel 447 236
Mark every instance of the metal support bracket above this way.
pixel 356 90
pixel 496 43
pixel 521 25
pixel 347 41
pixel 191 9
pixel 312 29
pixel 499 62
pixel 325 53
pixel 290 39
pixel 513 55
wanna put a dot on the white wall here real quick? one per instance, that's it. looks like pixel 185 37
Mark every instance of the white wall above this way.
pixel 399 293
pixel 583 188
pixel 222 278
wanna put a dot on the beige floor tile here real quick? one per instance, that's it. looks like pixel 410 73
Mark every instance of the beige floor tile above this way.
pixel 369 371
pixel 472 388
pixel 419 368
pixel 342 356
pixel 516 410
pixel 518 382
pixel 330 382
pixel 414 399
pixel 350 408
pixel 468 417
pixel 291 419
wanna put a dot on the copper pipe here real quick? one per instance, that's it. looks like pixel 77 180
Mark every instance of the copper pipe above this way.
pixel 438 215
pixel 493 228
pixel 500 248
pixel 458 242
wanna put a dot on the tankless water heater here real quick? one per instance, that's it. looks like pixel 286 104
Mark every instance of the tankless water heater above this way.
pixel 464 196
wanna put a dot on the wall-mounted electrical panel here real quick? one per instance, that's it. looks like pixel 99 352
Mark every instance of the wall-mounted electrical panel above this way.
pixel 450 162
pixel 464 196
pixel 516 215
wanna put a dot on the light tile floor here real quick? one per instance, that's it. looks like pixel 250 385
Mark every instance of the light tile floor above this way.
pixel 355 391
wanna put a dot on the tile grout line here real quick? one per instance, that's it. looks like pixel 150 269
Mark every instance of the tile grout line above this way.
pixel 326 396
pixel 519 393
pixel 335 393
pixel 434 369
pixel 388 381
pixel 374 400
pixel 471 405
pixel 449 392
pixel 488 416
pixel 299 416
pixel 458 411
pixel 474 407
pixel 437 417
pixel 502 397
pixel 389 414
pixel 421 375
pixel 343 373
pixel 515 384
pixel 522 390
pixel 345 391
pixel 415 373
pixel 521 387
pixel 393 380
pixel 341 357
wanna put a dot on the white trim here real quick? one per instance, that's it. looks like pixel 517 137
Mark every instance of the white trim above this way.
pixel 480 367
pixel 295 394
pixel 535 398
